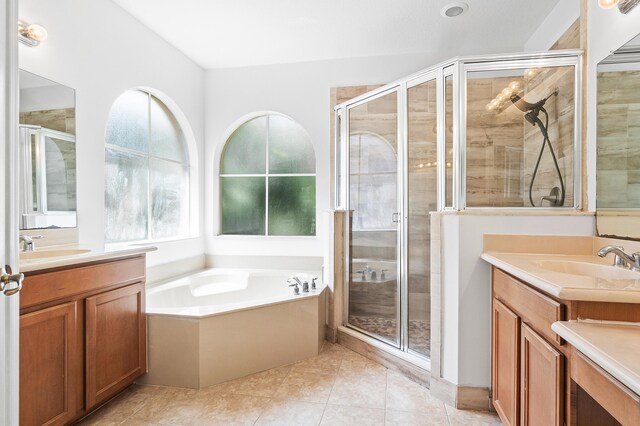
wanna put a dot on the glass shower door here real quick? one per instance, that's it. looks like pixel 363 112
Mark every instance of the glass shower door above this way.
pixel 374 283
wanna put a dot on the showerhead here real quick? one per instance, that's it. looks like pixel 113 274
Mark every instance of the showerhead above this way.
pixel 525 106
pixel 531 110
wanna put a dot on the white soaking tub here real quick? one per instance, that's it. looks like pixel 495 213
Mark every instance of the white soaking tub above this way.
pixel 221 324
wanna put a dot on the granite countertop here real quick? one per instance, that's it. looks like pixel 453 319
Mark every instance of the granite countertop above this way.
pixel 78 254
pixel 592 283
pixel 614 346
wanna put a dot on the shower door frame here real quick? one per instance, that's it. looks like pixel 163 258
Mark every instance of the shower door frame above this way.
pixel 346 201
pixel 402 183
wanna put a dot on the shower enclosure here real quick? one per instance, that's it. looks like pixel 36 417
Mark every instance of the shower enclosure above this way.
pixel 484 134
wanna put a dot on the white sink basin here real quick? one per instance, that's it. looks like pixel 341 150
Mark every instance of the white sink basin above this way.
pixel 587 269
pixel 46 254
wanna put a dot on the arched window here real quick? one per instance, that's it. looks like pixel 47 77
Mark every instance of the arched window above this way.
pixel 147 171
pixel 268 179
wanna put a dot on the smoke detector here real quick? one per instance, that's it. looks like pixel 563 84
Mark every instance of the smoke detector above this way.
pixel 453 10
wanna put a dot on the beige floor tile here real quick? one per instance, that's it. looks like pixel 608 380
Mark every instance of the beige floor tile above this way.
pixel 471 418
pixel 354 363
pixel 309 387
pixel 327 362
pixel 404 418
pixel 231 409
pixel 359 390
pixel 130 422
pixel 284 412
pixel 338 415
pixel 173 406
pixel 264 384
pixel 406 395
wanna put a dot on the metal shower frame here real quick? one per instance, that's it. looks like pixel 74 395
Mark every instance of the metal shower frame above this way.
pixel 459 68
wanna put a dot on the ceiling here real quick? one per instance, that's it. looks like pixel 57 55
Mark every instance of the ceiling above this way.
pixel 234 33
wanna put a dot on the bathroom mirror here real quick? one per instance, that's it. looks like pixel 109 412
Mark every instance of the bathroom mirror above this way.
pixel 618 143
pixel 47 153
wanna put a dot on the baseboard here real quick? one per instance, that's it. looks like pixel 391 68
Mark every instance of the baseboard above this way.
pixel 461 397
pixel 387 359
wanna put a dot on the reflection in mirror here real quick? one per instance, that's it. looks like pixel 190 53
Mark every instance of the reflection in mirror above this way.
pixel 47 153
pixel 618 142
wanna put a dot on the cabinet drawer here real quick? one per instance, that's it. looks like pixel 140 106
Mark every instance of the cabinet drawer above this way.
pixel 47 287
pixel 535 309
pixel 612 395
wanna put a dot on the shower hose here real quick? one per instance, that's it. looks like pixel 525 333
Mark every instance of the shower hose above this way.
pixel 543 129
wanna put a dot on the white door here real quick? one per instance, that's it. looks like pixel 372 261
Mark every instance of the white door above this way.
pixel 9 303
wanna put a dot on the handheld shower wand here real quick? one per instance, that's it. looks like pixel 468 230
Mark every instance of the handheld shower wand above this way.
pixel 532 115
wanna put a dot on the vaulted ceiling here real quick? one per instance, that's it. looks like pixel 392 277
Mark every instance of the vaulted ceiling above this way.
pixel 233 33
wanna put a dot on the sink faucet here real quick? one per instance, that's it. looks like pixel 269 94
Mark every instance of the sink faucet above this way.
pixel 631 261
pixel 29 245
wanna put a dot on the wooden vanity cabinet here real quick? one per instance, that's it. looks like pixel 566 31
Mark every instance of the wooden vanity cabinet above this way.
pixel 533 371
pixel 527 373
pixel 82 338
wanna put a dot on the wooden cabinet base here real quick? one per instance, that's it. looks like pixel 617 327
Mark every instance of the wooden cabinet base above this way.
pixel 81 346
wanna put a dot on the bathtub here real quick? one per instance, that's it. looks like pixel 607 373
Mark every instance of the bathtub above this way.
pixel 221 324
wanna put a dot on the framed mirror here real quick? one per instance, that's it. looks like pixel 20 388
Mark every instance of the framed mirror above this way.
pixel 47 133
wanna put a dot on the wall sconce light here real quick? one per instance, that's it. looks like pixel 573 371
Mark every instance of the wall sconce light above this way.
pixel 624 6
pixel 31 34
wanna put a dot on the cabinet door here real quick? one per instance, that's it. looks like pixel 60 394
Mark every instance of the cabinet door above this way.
pixel 116 341
pixel 505 343
pixel 542 377
pixel 49 366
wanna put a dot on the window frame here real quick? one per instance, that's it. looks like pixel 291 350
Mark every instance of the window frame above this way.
pixel 187 139
pixel 219 175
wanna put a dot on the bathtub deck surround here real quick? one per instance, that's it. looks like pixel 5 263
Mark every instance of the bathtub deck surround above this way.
pixel 336 387
pixel 223 324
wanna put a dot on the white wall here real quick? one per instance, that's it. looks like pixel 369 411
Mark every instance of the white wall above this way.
pixel 46 97
pixel 467 299
pixel 607 31
pixel 99 50
pixel 554 25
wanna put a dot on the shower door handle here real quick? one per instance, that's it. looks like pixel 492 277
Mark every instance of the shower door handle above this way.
pixel 395 218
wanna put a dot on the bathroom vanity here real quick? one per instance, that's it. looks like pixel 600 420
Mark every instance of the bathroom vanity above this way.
pixel 538 376
pixel 82 333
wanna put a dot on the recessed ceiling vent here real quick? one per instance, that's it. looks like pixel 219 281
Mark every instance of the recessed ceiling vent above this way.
pixel 453 10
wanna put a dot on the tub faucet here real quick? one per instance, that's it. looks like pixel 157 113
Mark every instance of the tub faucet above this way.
pixel 29 245
pixel 631 261
pixel 296 280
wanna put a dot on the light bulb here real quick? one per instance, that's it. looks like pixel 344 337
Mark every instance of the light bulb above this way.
pixel 500 97
pixel 37 32
pixel 514 86
pixel 506 92
pixel 608 4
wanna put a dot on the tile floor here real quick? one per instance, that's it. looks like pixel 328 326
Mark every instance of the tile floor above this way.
pixel 337 387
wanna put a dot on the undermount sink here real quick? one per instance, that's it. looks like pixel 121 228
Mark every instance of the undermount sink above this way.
pixel 45 254
pixel 587 269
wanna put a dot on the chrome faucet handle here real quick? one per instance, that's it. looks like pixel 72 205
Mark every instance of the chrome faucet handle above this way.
pixel 636 263
pixel 313 283
pixel 305 287
pixel 296 289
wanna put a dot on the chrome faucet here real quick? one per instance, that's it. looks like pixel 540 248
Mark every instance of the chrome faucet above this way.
pixel 621 259
pixel 296 282
pixel 29 245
